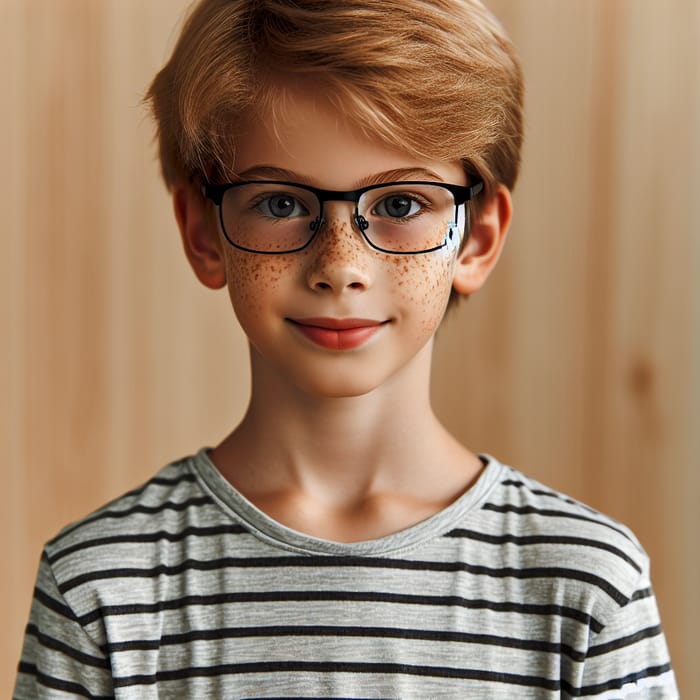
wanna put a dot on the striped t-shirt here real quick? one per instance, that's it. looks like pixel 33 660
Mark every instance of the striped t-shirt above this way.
pixel 183 589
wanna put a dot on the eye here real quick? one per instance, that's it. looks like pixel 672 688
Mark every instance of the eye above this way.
pixel 397 206
pixel 281 206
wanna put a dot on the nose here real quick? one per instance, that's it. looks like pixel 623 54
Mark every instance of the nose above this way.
pixel 339 258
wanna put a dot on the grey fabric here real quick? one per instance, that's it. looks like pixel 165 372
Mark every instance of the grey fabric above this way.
pixel 183 589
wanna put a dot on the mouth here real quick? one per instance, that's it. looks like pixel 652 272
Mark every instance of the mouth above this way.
pixel 338 333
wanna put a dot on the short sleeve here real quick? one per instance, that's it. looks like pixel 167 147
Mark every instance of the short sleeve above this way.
pixel 628 659
pixel 59 658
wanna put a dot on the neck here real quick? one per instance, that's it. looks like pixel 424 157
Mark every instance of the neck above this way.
pixel 344 450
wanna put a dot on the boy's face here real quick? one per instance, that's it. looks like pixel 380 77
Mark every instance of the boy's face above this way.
pixel 337 318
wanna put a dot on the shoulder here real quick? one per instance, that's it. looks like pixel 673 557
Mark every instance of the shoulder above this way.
pixel 548 533
pixel 134 534
pixel 536 509
pixel 174 488
pixel 541 508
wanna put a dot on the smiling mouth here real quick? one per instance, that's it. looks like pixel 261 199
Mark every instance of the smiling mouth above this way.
pixel 338 334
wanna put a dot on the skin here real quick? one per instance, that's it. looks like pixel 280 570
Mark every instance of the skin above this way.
pixel 340 444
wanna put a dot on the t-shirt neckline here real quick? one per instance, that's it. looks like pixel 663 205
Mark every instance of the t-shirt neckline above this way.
pixel 266 528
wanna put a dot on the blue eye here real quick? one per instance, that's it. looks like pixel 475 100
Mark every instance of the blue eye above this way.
pixel 397 206
pixel 281 206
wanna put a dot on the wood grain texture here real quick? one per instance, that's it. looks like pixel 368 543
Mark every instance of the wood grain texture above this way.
pixel 577 363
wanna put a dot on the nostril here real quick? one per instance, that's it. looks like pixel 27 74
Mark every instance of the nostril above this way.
pixel 323 286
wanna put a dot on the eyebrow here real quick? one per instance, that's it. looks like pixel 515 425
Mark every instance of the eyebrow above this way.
pixel 269 172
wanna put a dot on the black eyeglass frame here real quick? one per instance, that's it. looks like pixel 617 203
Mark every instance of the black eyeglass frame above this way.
pixel 461 194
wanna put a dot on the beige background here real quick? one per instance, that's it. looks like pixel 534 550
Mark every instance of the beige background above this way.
pixel 579 363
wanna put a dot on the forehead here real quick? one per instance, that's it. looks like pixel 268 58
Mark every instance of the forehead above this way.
pixel 309 137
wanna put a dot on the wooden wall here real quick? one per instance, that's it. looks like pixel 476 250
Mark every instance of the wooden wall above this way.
pixel 579 362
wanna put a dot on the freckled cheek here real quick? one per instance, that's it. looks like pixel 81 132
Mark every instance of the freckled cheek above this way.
pixel 254 280
pixel 423 284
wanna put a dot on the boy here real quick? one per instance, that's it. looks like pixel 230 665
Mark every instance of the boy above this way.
pixel 344 168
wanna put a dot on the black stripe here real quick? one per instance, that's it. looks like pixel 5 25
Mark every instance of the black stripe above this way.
pixel 342 597
pixel 270 667
pixel 630 639
pixel 543 539
pixel 148 537
pixel 139 508
pixel 59 683
pixel 55 605
pixel 57 645
pixel 641 594
pixel 387 669
pixel 345 562
pixel 548 513
pixel 344 631
pixel 185 477
pixel 548 494
pixel 650 672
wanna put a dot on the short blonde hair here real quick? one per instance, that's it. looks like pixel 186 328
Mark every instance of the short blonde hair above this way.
pixel 435 78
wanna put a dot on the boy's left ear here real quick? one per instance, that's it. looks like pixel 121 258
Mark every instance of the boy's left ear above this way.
pixel 483 247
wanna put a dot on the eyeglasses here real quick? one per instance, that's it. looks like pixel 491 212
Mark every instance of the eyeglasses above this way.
pixel 267 216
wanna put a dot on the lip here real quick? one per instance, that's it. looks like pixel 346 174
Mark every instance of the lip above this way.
pixel 338 333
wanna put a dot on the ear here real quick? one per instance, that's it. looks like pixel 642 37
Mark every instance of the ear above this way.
pixel 483 247
pixel 200 236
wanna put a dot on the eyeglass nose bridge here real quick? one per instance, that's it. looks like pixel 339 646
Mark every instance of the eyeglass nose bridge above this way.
pixel 352 196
